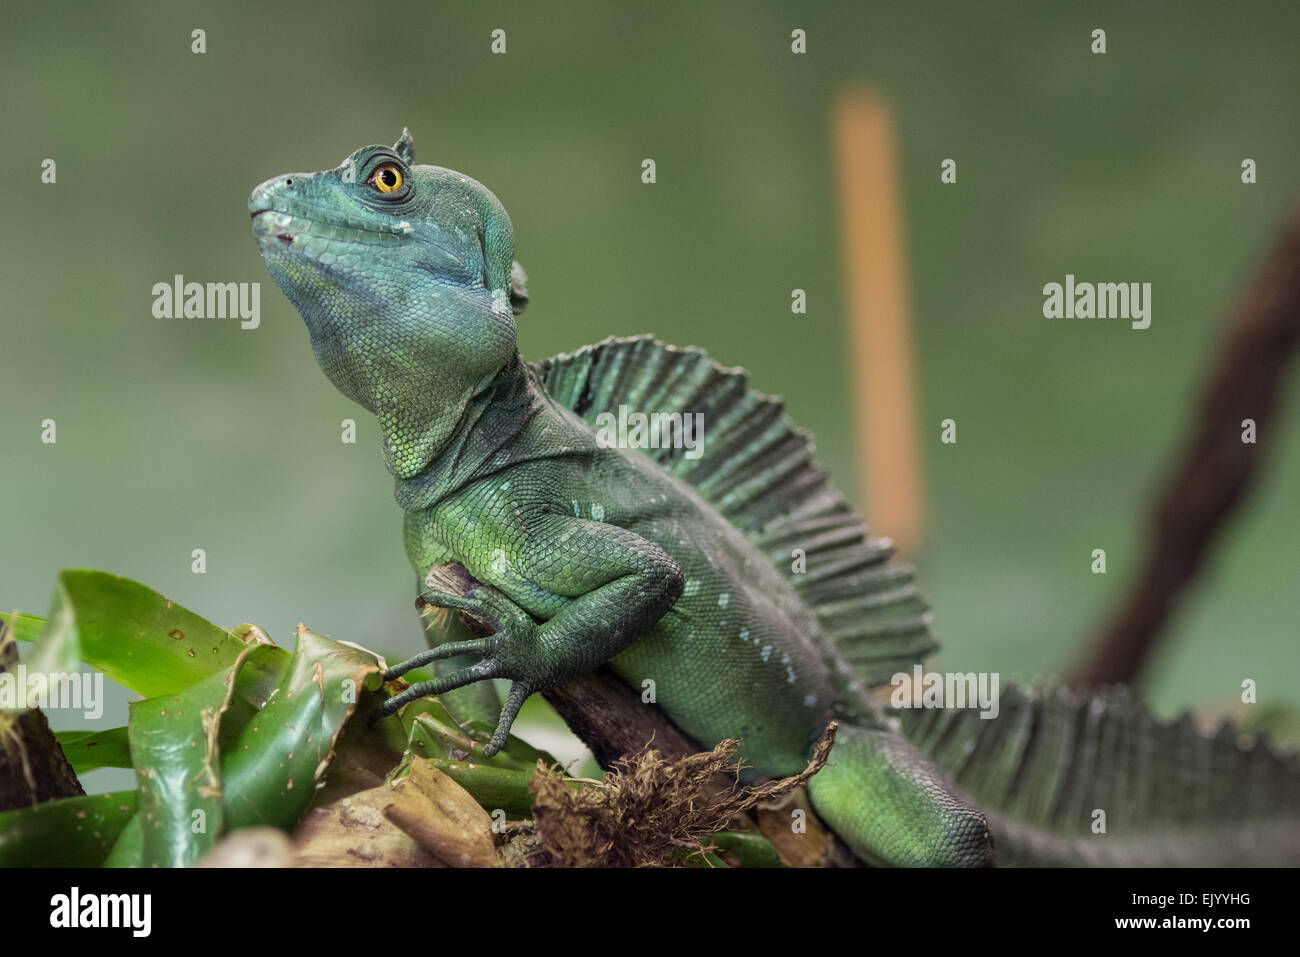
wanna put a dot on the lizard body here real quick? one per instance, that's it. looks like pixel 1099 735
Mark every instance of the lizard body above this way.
pixel 669 569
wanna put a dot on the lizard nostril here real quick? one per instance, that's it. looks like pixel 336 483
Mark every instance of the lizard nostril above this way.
pixel 288 182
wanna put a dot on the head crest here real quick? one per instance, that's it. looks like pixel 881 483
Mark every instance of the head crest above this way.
pixel 405 147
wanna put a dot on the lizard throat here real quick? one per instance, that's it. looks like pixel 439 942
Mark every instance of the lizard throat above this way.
pixel 485 430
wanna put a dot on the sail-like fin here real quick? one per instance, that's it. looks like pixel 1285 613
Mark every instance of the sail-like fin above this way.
pixel 757 469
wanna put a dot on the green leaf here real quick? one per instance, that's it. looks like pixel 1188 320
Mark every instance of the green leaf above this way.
pixel 523 754
pixel 71 832
pixel 92 750
pixel 234 731
pixel 504 788
pixel 25 627
pixel 750 848
pixel 130 633
pixel 271 770
pixel 129 849
pixel 174 750
pixel 432 732
pixel 705 859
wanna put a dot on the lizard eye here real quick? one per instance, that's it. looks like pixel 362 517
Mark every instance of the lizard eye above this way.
pixel 386 178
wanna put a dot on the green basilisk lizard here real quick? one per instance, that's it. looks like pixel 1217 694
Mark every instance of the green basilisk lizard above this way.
pixel 674 564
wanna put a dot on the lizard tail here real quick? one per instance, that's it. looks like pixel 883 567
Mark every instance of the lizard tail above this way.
pixel 892 806
pixel 1272 843
pixel 1095 780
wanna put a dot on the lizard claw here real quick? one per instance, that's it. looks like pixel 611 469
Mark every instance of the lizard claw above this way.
pixel 519 692
pixel 507 633
pixel 476 672
pixel 451 649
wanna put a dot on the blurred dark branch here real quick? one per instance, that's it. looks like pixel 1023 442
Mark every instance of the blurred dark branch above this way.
pixel 1216 468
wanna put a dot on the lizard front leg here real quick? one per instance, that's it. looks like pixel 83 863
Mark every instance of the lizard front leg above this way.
pixel 608 586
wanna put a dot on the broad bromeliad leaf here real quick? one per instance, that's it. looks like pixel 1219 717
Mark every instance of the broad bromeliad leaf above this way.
pixel 174 751
pixel 245 747
pixel 71 832
pixel 279 717
pixel 235 731
pixel 270 771
pixel 131 634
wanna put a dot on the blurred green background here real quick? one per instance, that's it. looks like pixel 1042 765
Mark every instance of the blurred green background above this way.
pixel 176 435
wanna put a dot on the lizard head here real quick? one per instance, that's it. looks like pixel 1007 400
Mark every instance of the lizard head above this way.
pixel 405 277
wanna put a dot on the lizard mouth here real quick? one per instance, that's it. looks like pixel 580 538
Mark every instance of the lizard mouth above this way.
pixel 315 235
pixel 272 226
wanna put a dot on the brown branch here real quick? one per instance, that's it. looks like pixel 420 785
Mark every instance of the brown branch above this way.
pixel 1217 467
pixel 610 718
pixel 33 767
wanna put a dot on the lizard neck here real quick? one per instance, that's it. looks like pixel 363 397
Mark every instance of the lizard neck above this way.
pixel 483 439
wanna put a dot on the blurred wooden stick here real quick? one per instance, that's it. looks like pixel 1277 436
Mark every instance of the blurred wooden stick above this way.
pixel 1217 467
pixel 878 337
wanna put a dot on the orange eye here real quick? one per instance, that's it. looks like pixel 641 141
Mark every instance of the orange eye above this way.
pixel 386 178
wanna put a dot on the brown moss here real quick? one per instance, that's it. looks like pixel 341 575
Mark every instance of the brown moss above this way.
pixel 650 811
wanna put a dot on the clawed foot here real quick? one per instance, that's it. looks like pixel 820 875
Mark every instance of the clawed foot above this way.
pixel 502 653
